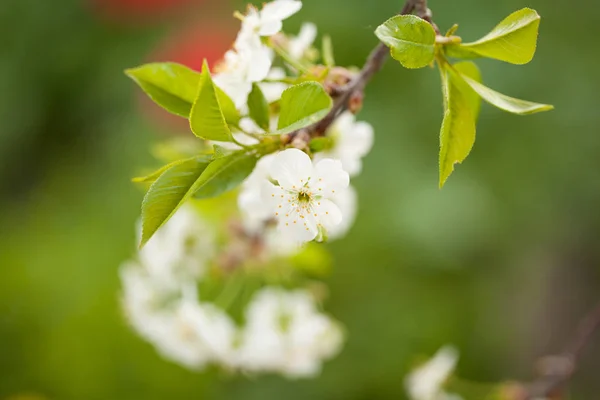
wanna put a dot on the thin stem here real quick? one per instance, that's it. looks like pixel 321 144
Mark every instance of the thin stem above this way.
pixel 560 368
pixel 372 66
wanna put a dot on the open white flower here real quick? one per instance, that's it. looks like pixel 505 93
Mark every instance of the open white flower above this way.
pixel 426 382
pixel 351 142
pixel 268 21
pixel 298 45
pixel 179 250
pixel 285 333
pixel 299 194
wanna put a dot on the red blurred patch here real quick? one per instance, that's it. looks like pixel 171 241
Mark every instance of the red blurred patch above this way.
pixel 190 46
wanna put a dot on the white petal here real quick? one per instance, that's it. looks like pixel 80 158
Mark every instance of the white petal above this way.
pixel 280 10
pixel 300 44
pixel 298 227
pixel 330 177
pixel 291 168
pixel 327 213
pixel 355 142
pixel 269 28
pixel 346 201
pixel 235 86
pixel 260 64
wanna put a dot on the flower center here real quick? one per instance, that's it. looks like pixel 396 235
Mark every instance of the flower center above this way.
pixel 303 197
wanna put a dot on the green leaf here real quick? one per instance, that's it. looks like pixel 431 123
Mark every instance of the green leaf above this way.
pixel 231 114
pixel 206 118
pixel 513 40
pixel 197 176
pixel 172 188
pixel 503 102
pixel 470 69
pixel 259 107
pixel 172 86
pixel 156 174
pixel 457 135
pixel 220 151
pixel 302 105
pixel 411 40
pixel 327 51
pixel 225 173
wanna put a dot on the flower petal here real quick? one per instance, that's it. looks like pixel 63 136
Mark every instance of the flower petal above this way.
pixel 327 213
pixel 280 10
pixel 330 177
pixel 291 168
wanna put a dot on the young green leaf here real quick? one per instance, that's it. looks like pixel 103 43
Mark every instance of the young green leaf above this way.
pixel 457 135
pixel 171 85
pixel 231 114
pixel 259 107
pixel 513 40
pixel 503 102
pixel 225 173
pixel 172 188
pixel 206 118
pixel 411 40
pixel 470 69
pixel 302 105
pixel 156 174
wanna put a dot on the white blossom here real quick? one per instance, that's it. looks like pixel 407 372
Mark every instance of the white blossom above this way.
pixel 250 59
pixel 351 141
pixel 268 21
pixel 285 333
pixel 298 45
pixel 299 194
pixel 179 250
pixel 426 382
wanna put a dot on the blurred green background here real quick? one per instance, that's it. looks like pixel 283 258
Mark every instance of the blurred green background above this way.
pixel 502 263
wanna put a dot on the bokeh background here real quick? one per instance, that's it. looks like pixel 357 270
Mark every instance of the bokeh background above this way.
pixel 502 263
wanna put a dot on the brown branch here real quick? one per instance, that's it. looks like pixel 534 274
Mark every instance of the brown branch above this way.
pixel 558 369
pixel 372 66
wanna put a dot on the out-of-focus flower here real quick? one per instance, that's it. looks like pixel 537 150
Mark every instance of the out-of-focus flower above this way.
pixel 285 333
pixel 346 200
pixel 182 330
pixel 351 141
pixel 240 69
pixel 299 194
pixel 179 250
pixel 298 45
pixel 273 90
pixel 250 60
pixel 426 382
pixel 268 21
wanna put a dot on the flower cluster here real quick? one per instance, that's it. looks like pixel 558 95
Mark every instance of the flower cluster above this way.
pixel 283 331
pixel 182 292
